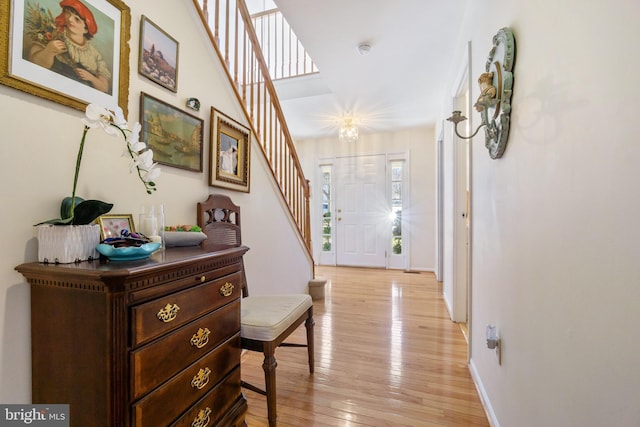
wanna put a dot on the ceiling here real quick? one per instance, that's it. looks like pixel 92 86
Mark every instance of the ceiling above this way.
pixel 400 83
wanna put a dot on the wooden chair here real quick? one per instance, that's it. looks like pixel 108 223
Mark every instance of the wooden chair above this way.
pixel 266 321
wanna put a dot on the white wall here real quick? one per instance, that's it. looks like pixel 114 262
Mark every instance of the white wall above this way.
pixel 419 143
pixel 37 158
pixel 555 235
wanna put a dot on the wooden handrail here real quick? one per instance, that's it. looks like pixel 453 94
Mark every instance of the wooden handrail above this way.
pixel 237 46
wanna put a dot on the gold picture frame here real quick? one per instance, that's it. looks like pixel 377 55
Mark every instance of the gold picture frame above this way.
pixel 112 224
pixel 174 135
pixel 30 25
pixel 229 153
pixel 158 60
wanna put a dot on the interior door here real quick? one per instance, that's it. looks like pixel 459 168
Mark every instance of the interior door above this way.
pixel 362 211
pixel 456 198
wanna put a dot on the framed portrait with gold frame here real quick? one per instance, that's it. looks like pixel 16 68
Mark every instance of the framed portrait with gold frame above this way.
pixel 45 54
pixel 229 153
pixel 111 225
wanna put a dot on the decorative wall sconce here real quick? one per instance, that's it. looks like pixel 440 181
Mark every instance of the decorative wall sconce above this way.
pixel 496 88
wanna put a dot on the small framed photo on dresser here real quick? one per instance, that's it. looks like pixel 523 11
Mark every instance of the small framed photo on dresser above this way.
pixel 112 225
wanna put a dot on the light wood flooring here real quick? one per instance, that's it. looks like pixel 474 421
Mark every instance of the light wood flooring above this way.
pixel 387 354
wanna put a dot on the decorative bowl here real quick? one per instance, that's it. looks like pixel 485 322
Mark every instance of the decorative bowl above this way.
pixel 128 253
pixel 183 238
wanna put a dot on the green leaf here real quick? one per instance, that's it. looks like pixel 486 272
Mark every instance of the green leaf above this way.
pixel 66 211
pixel 57 221
pixel 87 211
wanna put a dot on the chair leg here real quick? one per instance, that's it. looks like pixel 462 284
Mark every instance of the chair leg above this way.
pixel 309 324
pixel 269 367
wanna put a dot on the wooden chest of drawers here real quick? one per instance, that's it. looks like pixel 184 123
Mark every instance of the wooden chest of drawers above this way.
pixel 144 343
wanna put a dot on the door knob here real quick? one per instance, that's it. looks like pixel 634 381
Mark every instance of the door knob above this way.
pixel 339 218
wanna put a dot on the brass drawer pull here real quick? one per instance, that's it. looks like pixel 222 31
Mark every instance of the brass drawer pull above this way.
pixel 202 419
pixel 201 379
pixel 200 338
pixel 203 279
pixel 226 289
pixel 168 313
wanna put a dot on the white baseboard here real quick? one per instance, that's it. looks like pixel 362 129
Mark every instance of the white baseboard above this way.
pixel 484 399
pixel 447 304
pixel 421 269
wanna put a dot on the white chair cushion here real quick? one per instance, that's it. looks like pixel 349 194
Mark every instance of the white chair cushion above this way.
pixel 265 317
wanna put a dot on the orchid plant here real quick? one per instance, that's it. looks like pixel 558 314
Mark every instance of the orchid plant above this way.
pixel 76 211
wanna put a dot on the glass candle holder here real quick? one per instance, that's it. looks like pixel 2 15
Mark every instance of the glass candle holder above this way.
pixel 151 223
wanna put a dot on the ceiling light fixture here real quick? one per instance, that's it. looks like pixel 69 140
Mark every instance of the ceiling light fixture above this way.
pixel 348 130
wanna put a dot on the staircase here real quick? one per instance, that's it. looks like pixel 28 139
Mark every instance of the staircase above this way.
pixel 285 55
pixel 232 34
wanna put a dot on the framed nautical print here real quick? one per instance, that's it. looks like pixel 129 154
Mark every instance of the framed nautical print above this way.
pixel 175 136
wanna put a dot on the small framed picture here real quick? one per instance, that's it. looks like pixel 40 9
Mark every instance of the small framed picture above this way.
pixel 229 154
pixel 175 136
pixel 158 55
pixel 111 225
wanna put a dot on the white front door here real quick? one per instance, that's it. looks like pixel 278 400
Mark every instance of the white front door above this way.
pixel 362 211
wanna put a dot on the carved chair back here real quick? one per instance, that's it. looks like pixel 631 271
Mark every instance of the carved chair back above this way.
pixel 219 219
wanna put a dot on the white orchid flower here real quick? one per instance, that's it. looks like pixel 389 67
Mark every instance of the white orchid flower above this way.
pixel 119 119
pixel 138 147
pixel 115 124
pixel 134 142
pixel 99 117
pixel 145 160
pixel 141 160
pixel 152 173
pixel 135 132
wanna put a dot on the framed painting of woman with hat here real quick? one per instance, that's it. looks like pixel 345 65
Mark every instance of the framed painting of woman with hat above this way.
pixel 73 52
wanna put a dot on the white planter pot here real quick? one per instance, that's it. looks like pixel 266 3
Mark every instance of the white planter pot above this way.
pixel 64 244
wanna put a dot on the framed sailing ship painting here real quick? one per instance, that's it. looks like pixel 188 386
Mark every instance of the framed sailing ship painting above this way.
pixel 175 136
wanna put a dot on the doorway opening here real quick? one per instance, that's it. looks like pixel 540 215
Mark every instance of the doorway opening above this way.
pixel 455 174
